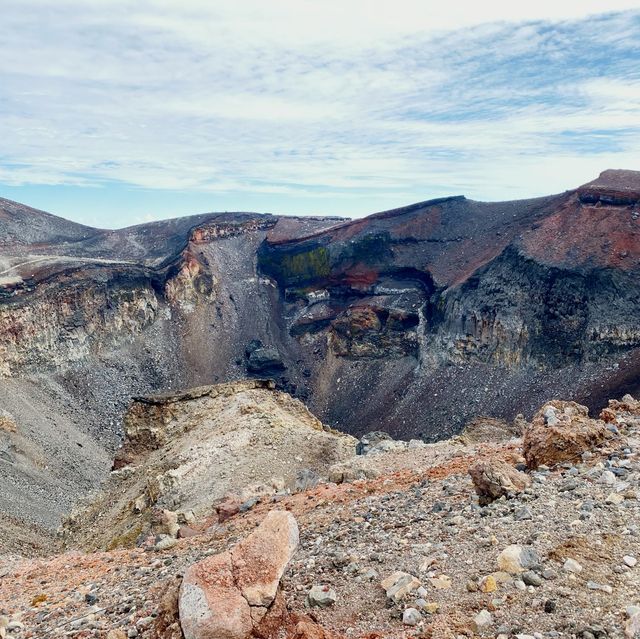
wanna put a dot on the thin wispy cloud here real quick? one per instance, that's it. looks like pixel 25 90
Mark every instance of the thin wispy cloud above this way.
pixel 339 104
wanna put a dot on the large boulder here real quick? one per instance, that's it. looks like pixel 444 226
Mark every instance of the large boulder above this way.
pixel 562 432
pixel 227 596
pixel 495 478
pixel 265 360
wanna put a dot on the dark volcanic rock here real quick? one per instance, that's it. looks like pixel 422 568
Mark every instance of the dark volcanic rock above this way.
pixel 265 360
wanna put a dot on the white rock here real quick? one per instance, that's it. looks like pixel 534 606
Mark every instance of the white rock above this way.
pixel 629 561
pixel 322 596
pixel 571 565
pixel 607 478
pixel 593 585
pixel 482 620
pixel 630 611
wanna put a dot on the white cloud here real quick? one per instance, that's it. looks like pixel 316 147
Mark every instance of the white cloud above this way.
pixel 409 98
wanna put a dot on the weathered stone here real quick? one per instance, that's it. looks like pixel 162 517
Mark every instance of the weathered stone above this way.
pixel 321 596
pixel 560 432
pixel 305 480
pixel 400 584
pixel 170 523
pixel 226 595
pixel 571 565
pixel 228 507
pixel 531 578
pixel 488 584
pixel 411 617
pixel 261 559
pixel 7 422
pixel 211 605
pixel 482 621
pixel 368 441
pixel 265 360
pixel 516 559
pixel 495 478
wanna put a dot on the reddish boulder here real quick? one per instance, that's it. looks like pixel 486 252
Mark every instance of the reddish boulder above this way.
pixel 562 432
pixel 621 411
pixel 229 595
pixel 228 507
pixel 259 561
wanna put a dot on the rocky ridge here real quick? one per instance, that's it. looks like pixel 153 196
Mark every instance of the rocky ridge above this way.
pixel 222 447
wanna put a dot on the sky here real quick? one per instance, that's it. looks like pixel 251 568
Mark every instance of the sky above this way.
pixel 115 112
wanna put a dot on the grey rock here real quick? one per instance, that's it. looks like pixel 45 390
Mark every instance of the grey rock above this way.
pixel 411 617
pixel 368 441
pixel 321 596
pixel 531 578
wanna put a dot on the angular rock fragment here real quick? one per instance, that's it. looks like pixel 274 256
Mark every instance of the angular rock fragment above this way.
pixel 493 479
pixel 516 559
pixel 226 595
pixel 321 596
pixel 400 584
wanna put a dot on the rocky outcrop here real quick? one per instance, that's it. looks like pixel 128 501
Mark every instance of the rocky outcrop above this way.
pixel 374 332
pixel 622 412
pixel 222 448
pixel 495 478
pixel 192 284
pixel 228 595
pixel 212 231
pixel 562 432
pixel 617 188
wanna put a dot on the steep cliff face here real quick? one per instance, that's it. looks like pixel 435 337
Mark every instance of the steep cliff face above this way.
pixel 61 324
pixel 89 322
pixel 475 306
pixel 518 311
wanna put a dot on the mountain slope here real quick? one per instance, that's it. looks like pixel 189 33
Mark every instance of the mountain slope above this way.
pixel 413 321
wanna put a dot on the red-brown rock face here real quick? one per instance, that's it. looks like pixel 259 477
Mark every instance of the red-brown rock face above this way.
pixel 227 595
